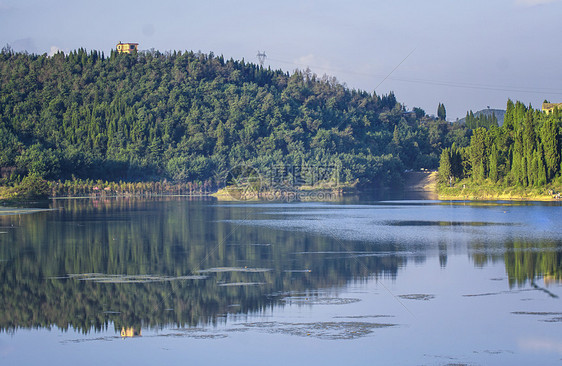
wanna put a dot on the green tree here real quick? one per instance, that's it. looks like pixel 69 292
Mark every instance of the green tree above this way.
pixel 445 171
pixel 478 154
pixel 32 186
pixel 420 113
pixel 493 164
pixel 517 169
pixel 441 112
pixel 550 144
pixel 541 177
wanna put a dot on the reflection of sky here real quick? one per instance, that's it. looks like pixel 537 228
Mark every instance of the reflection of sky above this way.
pixel 415 224
pixel 540 345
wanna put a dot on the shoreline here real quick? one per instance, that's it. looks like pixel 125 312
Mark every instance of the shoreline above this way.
pixel 414 182
pixel 493 193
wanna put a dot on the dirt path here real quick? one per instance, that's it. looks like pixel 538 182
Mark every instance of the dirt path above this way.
pixel 425 181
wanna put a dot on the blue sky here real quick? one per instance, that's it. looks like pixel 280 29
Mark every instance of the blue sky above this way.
pixel 466 54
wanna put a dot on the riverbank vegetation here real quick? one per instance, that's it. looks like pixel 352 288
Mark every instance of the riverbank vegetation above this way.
pixel 519 160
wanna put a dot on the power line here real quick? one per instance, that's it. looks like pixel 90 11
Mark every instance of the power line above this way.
pixel 386 77
pixel 465 85
pixel 452 84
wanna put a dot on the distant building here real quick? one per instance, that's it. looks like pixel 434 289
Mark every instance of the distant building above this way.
pixel 549 107
pixel 127 47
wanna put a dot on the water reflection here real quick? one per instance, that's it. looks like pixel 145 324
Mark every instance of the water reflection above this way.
pixel 525 260
pixel 134 263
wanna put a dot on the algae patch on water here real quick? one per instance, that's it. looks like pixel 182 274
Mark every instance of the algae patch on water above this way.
pixel 423 297
pixel 362 316
pixel 304 300
pixel 227 284
pixel 234 269
pixel 547 317
pixel 321 330
pixel 110 278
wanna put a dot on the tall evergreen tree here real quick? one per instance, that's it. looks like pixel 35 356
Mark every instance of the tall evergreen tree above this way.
pixel 517 171
pixel 478 154
pixel 445 171
pixel 493 164
pixel 550 144
pixel 541 177
pixel 441 112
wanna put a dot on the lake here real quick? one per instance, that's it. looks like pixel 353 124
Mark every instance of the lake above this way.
pixel 177 280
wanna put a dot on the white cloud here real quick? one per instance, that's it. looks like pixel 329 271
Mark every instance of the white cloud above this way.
pixel 317 65
pixel 53 51
pixel 534 2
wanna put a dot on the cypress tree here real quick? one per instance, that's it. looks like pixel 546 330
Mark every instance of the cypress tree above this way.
pixel 541 170
pixel 550 146
pixel 533 170
pixel 478 153
pixel 529 147
pixel 525 163
pixel 508 117
pixel 493 164
pixel 456 162
pixel 517 157
pixel 441 112
pixel 445 172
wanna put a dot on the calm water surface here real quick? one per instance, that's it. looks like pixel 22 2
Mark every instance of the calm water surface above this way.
pixel 179 281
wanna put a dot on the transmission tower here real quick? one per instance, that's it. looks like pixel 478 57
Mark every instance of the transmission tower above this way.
pixel 261 57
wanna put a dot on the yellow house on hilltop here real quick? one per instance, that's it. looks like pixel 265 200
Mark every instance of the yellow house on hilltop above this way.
pixel 127 47
pixel 549 107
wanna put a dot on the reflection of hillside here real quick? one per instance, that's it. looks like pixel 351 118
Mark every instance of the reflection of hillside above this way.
pixel 525 261
pixel 136 263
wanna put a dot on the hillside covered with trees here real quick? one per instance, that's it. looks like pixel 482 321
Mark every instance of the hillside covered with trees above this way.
pixel 473 121
pixel 189 117
pixel 524 152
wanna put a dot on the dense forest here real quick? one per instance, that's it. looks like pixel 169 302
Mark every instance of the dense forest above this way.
pixel 189 117
pixel 524 151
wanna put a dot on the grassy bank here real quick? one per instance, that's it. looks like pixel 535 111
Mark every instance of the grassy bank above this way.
pixel 304 193
pixel 468 190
